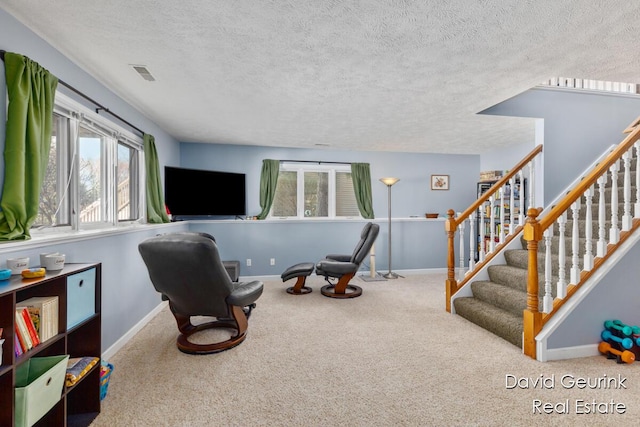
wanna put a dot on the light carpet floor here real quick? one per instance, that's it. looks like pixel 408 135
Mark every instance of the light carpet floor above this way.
pixel 392 357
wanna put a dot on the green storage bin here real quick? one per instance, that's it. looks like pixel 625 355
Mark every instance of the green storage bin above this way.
pixel 39 383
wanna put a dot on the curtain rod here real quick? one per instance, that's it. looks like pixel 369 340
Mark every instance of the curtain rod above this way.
pixel 316 161
pixel 97 104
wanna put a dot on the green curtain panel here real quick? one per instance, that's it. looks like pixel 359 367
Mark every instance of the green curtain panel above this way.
pixel 361 176
pixel 156 211
pixel 31 91
pixel 268 182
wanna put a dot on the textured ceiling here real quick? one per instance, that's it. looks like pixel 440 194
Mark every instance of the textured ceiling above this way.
pixel 382 75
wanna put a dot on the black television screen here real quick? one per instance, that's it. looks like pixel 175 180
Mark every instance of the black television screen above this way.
pixel 202 192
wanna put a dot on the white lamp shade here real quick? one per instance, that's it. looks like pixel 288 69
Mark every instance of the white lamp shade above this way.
pixel 389 181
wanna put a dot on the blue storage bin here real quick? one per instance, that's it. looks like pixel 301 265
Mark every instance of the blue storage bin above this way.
pixel 81 297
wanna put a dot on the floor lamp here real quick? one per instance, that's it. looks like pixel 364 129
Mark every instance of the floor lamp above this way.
pixel 389 182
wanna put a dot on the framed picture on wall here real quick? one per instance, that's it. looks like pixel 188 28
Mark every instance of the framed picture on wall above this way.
pixel 439 182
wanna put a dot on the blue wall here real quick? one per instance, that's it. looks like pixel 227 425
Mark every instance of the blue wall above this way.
pixel 410 196
pixel 416 243
pixel 578 127
pixel 127 293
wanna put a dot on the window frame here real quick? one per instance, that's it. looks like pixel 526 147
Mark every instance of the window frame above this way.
pixel 77 114
pixel 303 167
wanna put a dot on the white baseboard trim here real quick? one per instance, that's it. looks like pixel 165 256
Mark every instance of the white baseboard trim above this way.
pixel 111 351
pixel 400 272
pixel 572 352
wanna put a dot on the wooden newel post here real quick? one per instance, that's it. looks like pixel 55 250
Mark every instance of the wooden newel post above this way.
pixel 532 317
pixel 450 227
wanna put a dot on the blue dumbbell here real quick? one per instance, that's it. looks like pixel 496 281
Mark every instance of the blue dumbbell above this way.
pixel 608 336
pixel 619 326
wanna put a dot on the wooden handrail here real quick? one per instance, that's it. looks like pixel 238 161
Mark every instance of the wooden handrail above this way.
pixel 533 319
pixel 504 180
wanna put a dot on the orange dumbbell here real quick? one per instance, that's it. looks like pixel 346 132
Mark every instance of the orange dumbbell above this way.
pixel 625 356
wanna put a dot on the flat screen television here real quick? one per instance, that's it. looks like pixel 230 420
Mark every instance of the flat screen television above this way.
pixel 195 192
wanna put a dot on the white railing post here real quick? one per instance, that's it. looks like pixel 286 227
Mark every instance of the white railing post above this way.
pixel 601 248
pixel 512 219
pixel 532 185
pixel 521 207
pixel 461 231
pixel 575 244
pixel 636 205
pixel 481 233
pixel 502 217
pixel 614 231
pixel 492 225
pixel 561 290
pixel 473 246
pixel 626 215
pixel 547 302
pixel 588 252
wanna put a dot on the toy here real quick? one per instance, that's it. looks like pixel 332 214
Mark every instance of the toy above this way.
pixel 621 327
pixel 622 356
pixel 608 336
pixel 32 273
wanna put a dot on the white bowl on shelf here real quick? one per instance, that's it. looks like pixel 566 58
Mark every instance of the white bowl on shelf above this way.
pixel 54 262
pixel 16 265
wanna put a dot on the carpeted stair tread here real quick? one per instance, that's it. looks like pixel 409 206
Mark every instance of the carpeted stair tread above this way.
pixel 520 258
pixel 502 323
pixel 501 296
pixel 513 277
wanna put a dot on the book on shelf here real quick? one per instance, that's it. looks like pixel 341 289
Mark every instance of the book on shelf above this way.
pixel 17 348
pixel 33 334
pixel 44 315
pixel 22 332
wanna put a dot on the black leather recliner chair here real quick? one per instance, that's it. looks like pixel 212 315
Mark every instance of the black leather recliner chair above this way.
pixel 344 267
pixel 187 270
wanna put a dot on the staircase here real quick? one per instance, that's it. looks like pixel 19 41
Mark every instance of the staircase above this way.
pixel 497 304
pixel 568 243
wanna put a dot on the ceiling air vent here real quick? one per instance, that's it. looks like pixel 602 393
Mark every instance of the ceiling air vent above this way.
pixel 144 73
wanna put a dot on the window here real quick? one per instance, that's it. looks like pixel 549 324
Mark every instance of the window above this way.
pixel 314 191
pixel 93 174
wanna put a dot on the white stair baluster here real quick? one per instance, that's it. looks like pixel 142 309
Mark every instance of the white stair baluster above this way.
pixel 575 244
pixel 502 217
pixel 547 302
pixel 461 246
pixel 561 291
pixel 636 205
pixel 512 219
pixel 588 246
pixel 626 215
pixel 473 246
pixel 614 231
pixel 492 224
pixel 481 233
pixel 532 176
pixel 522 207
pixel 601 248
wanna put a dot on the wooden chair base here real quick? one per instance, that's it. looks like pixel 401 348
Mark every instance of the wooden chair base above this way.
pixel 238 324
pixel 342 289
pixel 299 288
pixel 351 291
pixel 299 291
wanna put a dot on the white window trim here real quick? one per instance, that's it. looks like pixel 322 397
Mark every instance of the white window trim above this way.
pixel 300 168
pixel 68 107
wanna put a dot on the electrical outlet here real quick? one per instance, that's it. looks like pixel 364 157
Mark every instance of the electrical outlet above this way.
pixel 273 261
pixel 248 262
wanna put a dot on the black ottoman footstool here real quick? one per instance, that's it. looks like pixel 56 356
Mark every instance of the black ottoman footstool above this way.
pixel 301 271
